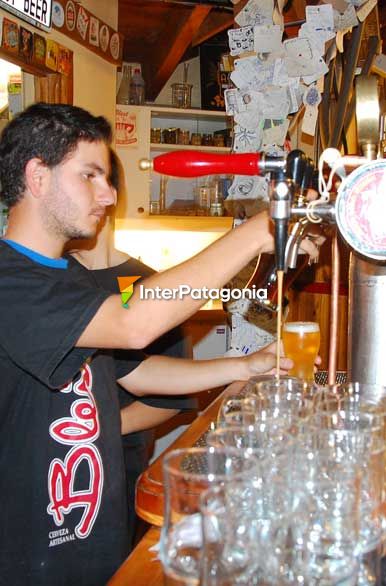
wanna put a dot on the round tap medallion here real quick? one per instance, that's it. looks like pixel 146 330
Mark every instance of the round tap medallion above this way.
pixel 361 209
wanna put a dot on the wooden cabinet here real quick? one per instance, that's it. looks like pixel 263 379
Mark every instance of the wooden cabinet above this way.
pixel 143 186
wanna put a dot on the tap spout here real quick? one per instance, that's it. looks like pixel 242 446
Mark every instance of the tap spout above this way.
pixel 293 242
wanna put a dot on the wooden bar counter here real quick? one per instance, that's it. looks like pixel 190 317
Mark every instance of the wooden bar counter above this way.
pixel 142 567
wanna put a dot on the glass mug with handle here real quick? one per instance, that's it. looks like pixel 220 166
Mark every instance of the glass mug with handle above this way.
pixel 301 341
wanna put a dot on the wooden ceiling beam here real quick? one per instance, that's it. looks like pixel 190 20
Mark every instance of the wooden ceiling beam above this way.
pixel 178 37
pixel 298 9
pixel 215 23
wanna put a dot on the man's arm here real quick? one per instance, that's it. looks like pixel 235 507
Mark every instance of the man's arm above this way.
pixel 145 320
pixel 138 416
pixel 162 374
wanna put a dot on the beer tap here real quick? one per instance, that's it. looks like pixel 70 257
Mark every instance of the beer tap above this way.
pixel 306 183
pixel 289 188
pixel 198 164
pixel 291 177
pixel 280 210
pixel 299 171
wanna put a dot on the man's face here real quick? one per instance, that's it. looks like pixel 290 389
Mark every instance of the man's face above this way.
pixel 78 192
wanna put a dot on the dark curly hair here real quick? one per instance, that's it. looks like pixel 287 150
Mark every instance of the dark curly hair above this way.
pixel 49 132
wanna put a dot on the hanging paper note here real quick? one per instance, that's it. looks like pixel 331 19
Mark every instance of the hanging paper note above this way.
pixel 321 19
pixel 302 58
pixel 345 20
pixel 248 187
pixel 255 12
pixel 276 134
pixel 241 40
pixel 267 38
pixel 247 140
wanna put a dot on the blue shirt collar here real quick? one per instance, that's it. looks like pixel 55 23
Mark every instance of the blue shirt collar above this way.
pixel 55 263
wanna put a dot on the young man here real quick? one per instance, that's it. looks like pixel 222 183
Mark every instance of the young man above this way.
pixel 63 515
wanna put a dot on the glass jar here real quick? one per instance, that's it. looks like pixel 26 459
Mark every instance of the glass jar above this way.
pixel 216 209
pixel 203 199
pixel 154 207
pixel 169 135
pixel 155 135
pixel 218 140
pixel 216 199
pixel 181 95
pixel 207 140
pixel 195 139
pixel 183 137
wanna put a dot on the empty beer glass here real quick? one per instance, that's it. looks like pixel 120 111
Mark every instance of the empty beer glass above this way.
pixel 187 474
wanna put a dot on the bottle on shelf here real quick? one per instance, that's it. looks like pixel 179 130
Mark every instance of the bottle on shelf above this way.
pixel 216 198
pixel 137 88
pixel 123 95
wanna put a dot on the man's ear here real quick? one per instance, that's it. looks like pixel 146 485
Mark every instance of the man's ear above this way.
pixel 36 176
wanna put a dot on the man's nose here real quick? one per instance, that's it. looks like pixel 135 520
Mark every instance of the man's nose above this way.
pixel 106 195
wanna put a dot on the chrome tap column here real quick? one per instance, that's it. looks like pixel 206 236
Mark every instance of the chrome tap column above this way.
pixel 367 321
pixel 366 233
pixel 360 214
pixel 367 274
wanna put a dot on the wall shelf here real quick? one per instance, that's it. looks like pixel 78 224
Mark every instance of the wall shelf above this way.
pixel 164 147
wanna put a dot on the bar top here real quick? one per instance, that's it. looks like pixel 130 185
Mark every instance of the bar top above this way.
pixel 142 567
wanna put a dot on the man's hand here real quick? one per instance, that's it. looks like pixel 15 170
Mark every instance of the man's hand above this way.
pixel 264 361
pixel 310 244
pixel 312 241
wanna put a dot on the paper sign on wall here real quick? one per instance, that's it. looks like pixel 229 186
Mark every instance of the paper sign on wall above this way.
pixel 125 129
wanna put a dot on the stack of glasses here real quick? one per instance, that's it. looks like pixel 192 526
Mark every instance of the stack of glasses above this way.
pixel 288 490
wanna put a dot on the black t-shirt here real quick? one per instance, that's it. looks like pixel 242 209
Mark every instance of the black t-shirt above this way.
pixel 63 514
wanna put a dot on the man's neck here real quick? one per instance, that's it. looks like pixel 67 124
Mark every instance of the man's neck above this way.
pixel 30 235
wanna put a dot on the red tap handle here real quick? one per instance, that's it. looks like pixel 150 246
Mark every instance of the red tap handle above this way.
pixel 198 163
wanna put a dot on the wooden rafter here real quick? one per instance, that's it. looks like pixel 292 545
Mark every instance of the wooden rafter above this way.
pixel 298 9
pixel 215 23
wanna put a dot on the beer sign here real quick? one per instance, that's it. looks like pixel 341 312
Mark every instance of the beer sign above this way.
pixel 36 12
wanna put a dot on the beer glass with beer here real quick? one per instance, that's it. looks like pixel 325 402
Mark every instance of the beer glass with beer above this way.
pixel 301 340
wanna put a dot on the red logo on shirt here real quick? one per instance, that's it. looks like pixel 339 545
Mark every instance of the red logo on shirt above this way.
pixel 79 431
pixel 83 425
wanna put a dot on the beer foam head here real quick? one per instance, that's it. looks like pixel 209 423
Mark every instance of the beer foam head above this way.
pixel 301 327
